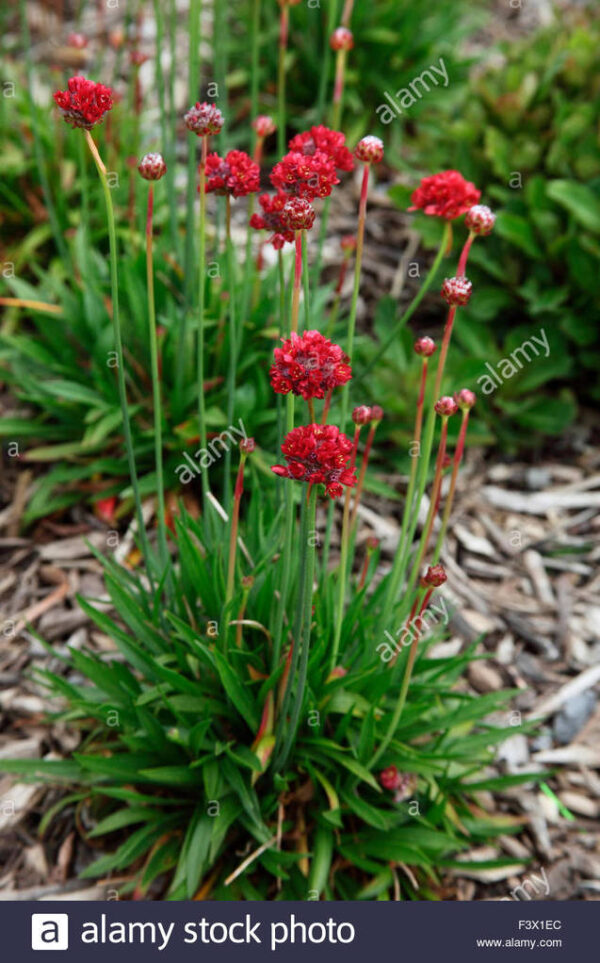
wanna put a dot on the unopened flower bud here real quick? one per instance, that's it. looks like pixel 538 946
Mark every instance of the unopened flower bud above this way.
pixel 341 39
pixel 247 582
pixel 434 576
pixel 457 291
pixel 390 778
pixel 152 167
pixel 348 244
pixel 465 399
pixel 369 150
pixel 247 445
pixel 376 413
pixel 138 58
pixel 425 347
pixel 204 119
pixel 362 415
pixel 446 462
pixel 77 40
pixel 480 219
pixel 298 215
pixel 263 125
pixel 446 406
pixel 372 543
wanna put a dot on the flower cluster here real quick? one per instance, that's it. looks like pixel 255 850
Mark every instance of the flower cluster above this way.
pixel 84 103
pixel 236 174
pixel 272 219
pixel 446 195
pixel 306 176
pixel 329 142
pixel 297 214
pixel 152 167
pixel 309 365
pixel 318 454
pixel 457 291
pixel 204 119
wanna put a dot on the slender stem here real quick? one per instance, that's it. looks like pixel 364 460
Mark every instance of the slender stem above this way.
pixel 297 282
pixel 254 68
pixel 201 293
pixel 360 237
pixel 114 283
pixel 286 561
pixel 233 343
pixel 306 281
pixel 437 481
pixel 396 572
pixel 307 574
pixel 325 60
pixel 233 528
pixel 414 304
pixel 284 21
pixel 418 624
pixel 311 411
pixel 362 473
pixel 338 89
pixel 167 142
pixel 156 399
pixel 343 570
pixel 458 453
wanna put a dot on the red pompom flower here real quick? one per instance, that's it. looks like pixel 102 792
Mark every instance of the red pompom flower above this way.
pixel 306 176
pixel 236 174
pixel 330 142
pixel 318 454
pixel 446 195
pixel 84 103
pixel 309 365
pixel 273 220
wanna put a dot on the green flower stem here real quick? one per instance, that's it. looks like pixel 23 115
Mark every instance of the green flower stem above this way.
pixel 307 574
pixel 460 447
pixel 325 60
pixel 167 141
pixel 114 283
pixel 407 673
pixel 201 293
pixel 397 573
pixel 297 282
pixel 254 66
pixel 306 281
pixel 233 344
pixel 360 238
pixel 156 399
pixel 361 476
pixel 343 569
pixel 233 528
pixel 338 89
pixel 414 304
pixel 284 23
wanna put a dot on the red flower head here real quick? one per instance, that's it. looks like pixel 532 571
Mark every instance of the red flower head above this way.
pixel 271 219
pixel 152 167
pixel 445 195
pixel 309 365
pixel 457 291
pixel 341 39
pixel 263 125
pixel 480 219
pixel 236 175
pixel 425 347
pixel 369 150
pixel 77 40
pixel 465 399
pixel 348 244
pixel 204 119
pixel 297 214
pixel 446 406
pixel 390 778
pixel 306 176
pixel 318 454
pixel 362 415
pixel 84 103
pixel 434 576
pixel 376 413
pixel 330 142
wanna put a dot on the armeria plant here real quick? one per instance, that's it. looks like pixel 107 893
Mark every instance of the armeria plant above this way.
pixel 270 723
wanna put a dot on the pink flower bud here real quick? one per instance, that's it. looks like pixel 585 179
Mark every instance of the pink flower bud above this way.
pixel 372 543
pixel 362 415
pixel 446 406
pixel 376 413
pixel 434 576
pixel 77 40
pixel 425 347
pixel 369 150
pixel 247 445
pixel 263 125
pixel 465 399
pixel 348 244
pixel 390 778
pixel 204 119
pixel 480 219
pixel 138 58
pixel 341 39
pixel 298 215
pixel 457 291
pixel 152 167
